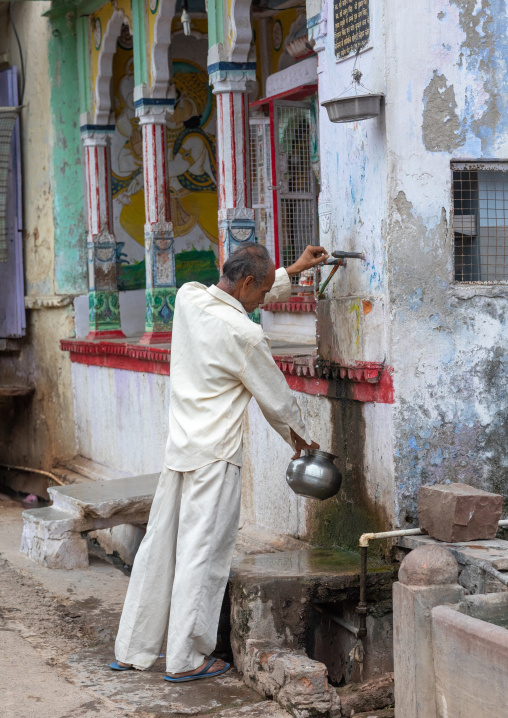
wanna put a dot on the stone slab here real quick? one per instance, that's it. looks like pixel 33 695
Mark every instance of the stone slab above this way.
pixel 129 496
pixel 298 683
pixel 493 551
pixel 458 512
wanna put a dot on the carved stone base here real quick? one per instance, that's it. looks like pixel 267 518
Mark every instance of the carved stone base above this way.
pixel 160 308
pixel 104 313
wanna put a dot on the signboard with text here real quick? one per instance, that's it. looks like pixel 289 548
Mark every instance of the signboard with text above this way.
pixel 351 26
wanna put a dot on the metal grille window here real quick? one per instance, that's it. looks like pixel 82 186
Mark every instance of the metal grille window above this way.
pixel 261 172
pixel 480 203
pixel 284 193
pixel 297 192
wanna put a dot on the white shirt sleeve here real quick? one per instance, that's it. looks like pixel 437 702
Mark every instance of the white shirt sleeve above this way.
pixel 264 380
pixel 281 289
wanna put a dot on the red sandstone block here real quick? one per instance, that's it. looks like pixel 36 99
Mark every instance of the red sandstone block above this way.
pixel 458 512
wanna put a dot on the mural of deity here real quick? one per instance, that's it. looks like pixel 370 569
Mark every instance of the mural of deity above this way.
pixel 191 169
pixel 192 166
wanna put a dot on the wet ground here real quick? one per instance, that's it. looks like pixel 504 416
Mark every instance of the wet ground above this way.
pixel 57 631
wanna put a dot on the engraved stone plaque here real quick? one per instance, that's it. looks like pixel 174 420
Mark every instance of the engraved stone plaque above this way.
pixel 351 26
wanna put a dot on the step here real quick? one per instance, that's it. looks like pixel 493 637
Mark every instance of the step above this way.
pixel 52 522
pixel 131 497
pixel 92 470
pixel 254 539
pixel 67 476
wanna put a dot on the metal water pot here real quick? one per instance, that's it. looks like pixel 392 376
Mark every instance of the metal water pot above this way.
pixel 314 475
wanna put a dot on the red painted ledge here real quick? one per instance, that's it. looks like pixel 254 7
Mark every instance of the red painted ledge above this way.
pixel 365 382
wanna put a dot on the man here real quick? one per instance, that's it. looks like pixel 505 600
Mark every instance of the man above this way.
pixel 219 360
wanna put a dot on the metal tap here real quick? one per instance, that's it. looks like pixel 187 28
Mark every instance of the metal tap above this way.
pixel 338 261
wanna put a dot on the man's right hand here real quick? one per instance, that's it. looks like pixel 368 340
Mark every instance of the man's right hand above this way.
pixel 301 445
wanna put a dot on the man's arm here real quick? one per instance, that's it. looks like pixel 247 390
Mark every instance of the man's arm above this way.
pixel 262 377
pixel 281 290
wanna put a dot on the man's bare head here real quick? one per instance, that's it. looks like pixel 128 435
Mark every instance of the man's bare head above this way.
pixel 248 274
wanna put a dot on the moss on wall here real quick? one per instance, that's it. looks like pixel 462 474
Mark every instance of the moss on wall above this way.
pixel 340 521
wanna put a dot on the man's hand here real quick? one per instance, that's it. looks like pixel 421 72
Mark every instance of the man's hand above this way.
pixel 301 445
pixel 310 257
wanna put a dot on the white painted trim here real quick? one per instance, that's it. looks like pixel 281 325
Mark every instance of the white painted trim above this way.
pixel 303 73
pixel 105 68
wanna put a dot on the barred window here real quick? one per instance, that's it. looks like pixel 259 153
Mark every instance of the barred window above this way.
pixel 480 223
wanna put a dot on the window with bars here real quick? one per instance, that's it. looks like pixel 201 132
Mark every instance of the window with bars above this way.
pixel 480 224
pixel 284 195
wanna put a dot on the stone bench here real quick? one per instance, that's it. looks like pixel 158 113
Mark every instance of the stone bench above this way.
pixel 53 536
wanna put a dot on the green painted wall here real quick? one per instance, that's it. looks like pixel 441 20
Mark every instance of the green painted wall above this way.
pixel 215 22
pixel 67 180
pixel 83 63
pixel 139 42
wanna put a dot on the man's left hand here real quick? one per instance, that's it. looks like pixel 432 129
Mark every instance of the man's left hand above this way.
pixel 310 257
pixel 301 444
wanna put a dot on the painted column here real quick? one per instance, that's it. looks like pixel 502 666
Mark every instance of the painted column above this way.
pixel 236 216
pixel 104 305
pixel 159 240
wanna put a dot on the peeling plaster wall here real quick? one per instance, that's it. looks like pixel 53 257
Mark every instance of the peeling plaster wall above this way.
pixel 37 430
pixel 386 189
pixel 353 216
pixel 446 98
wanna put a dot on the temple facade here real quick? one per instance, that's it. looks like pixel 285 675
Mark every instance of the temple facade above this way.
pixel 158 135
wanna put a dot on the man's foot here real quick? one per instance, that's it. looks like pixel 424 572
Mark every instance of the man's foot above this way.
pixel 119 666
pixel 217 665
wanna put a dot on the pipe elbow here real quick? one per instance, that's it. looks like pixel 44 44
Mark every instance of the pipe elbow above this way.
pixel 365 538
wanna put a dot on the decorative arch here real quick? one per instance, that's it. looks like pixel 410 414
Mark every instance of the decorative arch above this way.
pixel 105 66
pixel 241 31
pixel 161 71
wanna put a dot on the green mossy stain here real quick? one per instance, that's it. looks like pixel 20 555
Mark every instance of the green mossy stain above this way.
pixel 67 183
pixel 340 521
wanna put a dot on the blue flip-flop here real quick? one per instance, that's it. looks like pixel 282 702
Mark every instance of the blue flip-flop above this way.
pixel 201 674
pixel 116 667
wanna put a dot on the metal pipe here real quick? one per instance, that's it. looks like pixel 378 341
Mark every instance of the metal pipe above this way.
pixel 338 620
pixel 33 471
pixel 489 568
pixel 361 609
pixel 350 255
pixel 325 283
pixel 365 538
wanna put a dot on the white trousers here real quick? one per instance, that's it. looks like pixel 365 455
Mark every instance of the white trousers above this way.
pixel 181 569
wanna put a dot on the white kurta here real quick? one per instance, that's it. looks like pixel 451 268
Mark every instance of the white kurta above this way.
pixel 219 360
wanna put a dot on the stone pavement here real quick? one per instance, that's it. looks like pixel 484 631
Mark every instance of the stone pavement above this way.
pixel 57 632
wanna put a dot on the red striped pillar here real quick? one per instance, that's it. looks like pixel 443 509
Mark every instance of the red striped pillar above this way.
pixel 159 240
pixel 236 217
pixel 104 306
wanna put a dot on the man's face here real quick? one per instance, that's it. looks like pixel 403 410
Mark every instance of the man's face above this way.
pixel 250 295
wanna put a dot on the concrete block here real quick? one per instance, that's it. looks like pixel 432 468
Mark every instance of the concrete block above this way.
pixel 458 512
pixel 428 567
pixel 65 551
pixel 471 665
